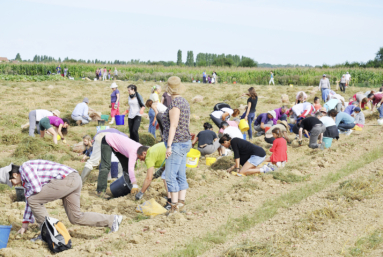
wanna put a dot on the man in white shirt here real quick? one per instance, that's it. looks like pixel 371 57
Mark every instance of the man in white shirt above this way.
pixel 80 113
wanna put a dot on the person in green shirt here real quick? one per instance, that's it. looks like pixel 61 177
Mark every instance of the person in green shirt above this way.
pixel 154 158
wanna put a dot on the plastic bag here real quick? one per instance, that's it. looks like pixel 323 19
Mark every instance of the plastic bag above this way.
pixel 151 208
pixel 357 128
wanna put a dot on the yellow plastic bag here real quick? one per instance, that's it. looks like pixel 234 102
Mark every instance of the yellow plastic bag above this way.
pixel 150 208
pixel 357 128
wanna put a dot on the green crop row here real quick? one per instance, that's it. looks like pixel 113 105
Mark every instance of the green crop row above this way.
pixel 260 76
pixel 26 78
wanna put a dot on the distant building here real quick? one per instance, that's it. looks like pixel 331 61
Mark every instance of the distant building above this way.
pixel 4 59
pixel 15 61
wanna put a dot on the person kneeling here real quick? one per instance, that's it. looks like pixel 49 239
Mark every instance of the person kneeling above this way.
pixel 207 140
pixel 245 153
pixel 154 158
pixel 46 181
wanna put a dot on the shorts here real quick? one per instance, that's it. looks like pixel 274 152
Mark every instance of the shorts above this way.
pixel 45 124
pixel 256 160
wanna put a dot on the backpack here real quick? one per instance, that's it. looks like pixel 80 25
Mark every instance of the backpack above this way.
pixel 55 234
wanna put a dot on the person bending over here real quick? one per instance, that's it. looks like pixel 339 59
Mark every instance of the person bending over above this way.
pixel 316 129
pixel 207 140
pixel 46 181
pixel 245 153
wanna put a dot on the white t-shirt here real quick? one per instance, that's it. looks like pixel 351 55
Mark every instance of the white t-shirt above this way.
pixel 339 97
pixel 228 110
pixel 161 108
pixel 154 97
pixel 134 109
pixel 348 76
pixel 233 132
pixel 217 114
pixel 327 121
pixel 298 109
pixel 42 114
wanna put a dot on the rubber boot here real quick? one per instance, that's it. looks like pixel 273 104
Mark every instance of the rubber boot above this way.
pixel 112 122
pixel 85 172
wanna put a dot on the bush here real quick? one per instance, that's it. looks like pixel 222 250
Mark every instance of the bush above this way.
pixel 223 62
pixel 248 62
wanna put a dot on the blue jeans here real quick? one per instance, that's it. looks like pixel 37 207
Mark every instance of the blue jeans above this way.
pixel 175 168
pixel 152 129
pixel 380 110
pixel 250 119
pixel 345 126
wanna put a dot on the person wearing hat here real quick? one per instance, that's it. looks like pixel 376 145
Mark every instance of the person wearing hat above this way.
pixel 316 129
pixel 80 113
pixel 46 181
pixel 34 119
pixel 324 86
pixel 176 136
pixel 283 127
pixel 359 117
pixel 136 109
pixel 331 128
pixel 264 120
pixel 115 102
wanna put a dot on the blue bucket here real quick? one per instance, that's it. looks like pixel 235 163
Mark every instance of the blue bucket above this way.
pixel 120 119
pixel 4 235
pixel 119 187
pixel 327 141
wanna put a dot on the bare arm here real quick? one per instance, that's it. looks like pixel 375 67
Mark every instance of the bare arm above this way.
pixel 148 179
pixel 59 131
pixel 162 100
pixel 235 166
pixel 248 110
pixel 285 136
pixel 194 141
pixel 174 116
pixel 262 125
pixel 300 134
pixel 118 99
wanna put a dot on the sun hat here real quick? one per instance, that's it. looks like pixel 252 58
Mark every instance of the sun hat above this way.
pixel 174 86
pixel 114 85
pixel 323 109
pixel 4 175
pixel 86 100
pixel 56 112
pixel 284 123
pixel 272 113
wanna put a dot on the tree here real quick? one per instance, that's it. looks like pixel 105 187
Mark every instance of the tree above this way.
pixel 59 59
pixel 223 62
pixel 190 59
pixel 18 57
pixel 379 55
pixel 248 62
pixel 179 58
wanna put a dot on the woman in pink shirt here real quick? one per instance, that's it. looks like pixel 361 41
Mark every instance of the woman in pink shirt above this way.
pixel 61 125
pixel 125 149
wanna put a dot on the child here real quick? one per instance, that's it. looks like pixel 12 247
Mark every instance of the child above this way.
pixel 359 117
pixel 279 157
pixel 87 141
pixel 317 104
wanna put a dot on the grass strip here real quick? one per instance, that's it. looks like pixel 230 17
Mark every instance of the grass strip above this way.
pixel 365 245
pixel 270 207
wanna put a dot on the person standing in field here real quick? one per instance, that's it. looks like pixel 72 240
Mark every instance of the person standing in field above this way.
pixel 249 114
pixel 114 102
pixel 215 77
pixel 176 136
pixel 65 71
pixel 104 74
pixel 348 78
pixel 136 109
pixel 324 86
pixel 342 84
pixel 58 70
pixel 271 78
pixel 96 74
pixel 115 73
pixel 204 76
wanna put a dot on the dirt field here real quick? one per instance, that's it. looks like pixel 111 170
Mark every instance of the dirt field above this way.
pixel 323 203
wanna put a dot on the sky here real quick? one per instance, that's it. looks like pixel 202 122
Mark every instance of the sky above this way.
pixel 314 32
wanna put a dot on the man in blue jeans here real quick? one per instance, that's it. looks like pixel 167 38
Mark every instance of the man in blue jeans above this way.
pixel 343 121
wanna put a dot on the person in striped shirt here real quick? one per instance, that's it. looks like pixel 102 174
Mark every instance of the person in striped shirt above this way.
pixel 46 181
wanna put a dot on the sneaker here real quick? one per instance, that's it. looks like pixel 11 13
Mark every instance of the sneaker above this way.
pixel 116 223
pixel 38 238
pixel 342 132
pixel 168 206
pixel 272 166
pixel 266 169
pixel 348 132
pixel 79 123
pixel 173 209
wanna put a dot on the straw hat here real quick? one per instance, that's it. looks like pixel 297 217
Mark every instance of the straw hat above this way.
pixel 174 86
pixel 56 112
pixel 284 123
pixel 114 85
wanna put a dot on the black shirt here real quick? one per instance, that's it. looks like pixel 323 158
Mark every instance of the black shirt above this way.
pixel 253 104
pixel 309 123
pixel 206 137
pixel 244 150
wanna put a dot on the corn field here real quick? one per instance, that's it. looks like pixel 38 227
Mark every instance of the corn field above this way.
pixel 259 76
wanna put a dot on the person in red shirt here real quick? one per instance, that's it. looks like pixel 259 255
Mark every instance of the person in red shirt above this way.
pixel 376 99
pixel 278 157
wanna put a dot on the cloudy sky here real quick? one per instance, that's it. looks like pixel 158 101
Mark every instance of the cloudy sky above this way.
pixel 278 32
